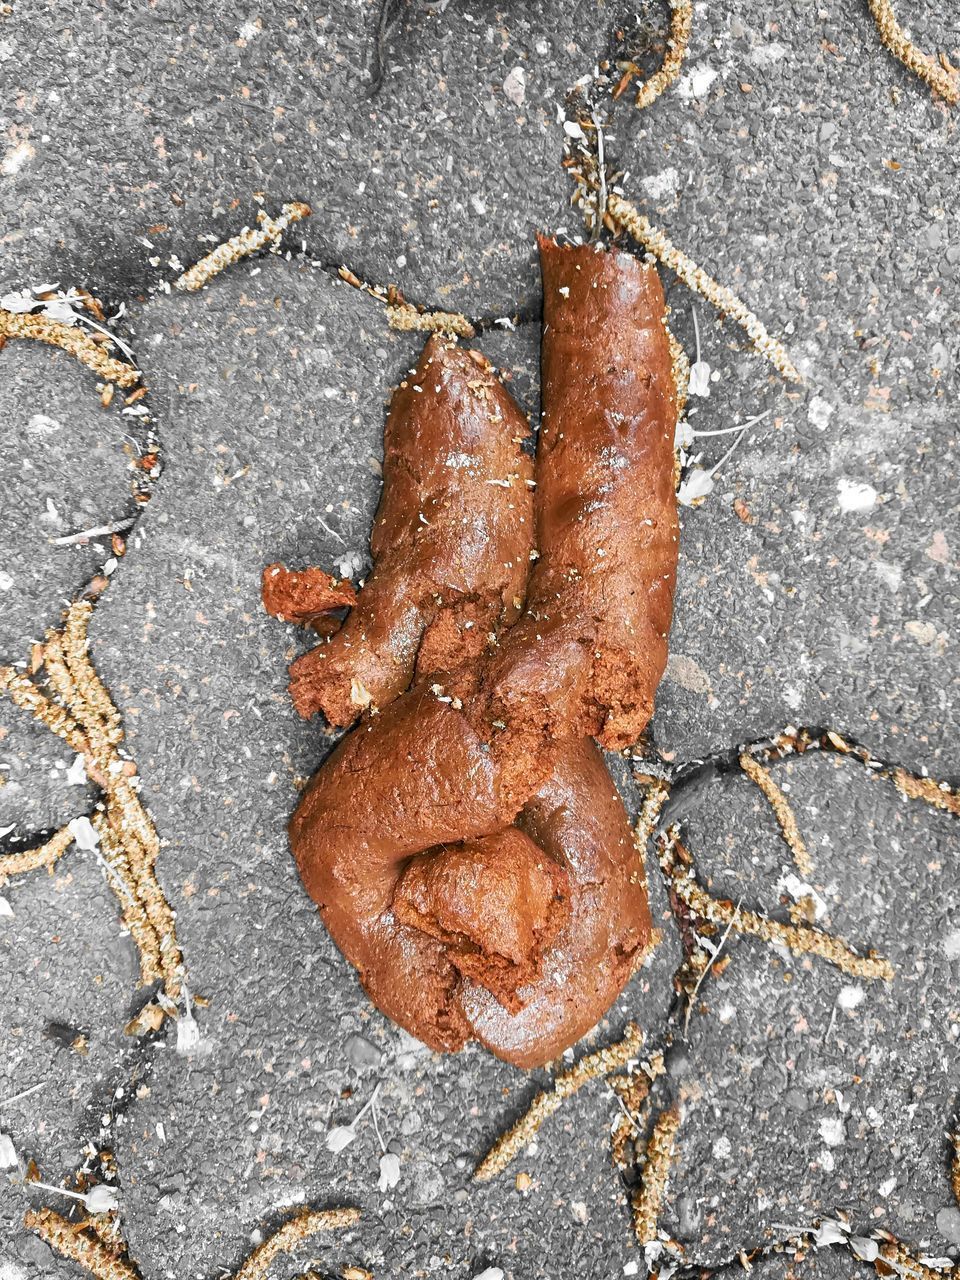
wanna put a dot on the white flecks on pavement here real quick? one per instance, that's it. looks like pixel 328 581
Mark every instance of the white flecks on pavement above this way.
pixel 855 495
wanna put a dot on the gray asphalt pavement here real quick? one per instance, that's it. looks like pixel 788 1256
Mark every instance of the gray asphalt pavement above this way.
pixel 802 165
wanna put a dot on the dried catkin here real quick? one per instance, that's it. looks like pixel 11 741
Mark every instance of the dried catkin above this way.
pixel 626 215
pixel 681 24
pixel 249 241
pixel 894 38
pixel 70 338
pixel 782 811
pixel 566 1083
pixel 676 862
pixel 656 797
pixel 406 318
pixel 648 1198
pixel 43 855
pixel 307 1223
pixel 927 789
pixel 25 694
pixel 912 786
pixel 102 1260
pixel 86 718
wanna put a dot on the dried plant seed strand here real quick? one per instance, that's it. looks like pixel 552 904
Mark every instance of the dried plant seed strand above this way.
pixel 70 338
pixel 636 224
pixel 134 914
pixel 76 650
pixel 912 786
pixel 28 697
pixel 894 38
pixel 103 1261
pixel 928 790
pixel 681 24
pixel 128 828
pixel 404 316
pixel 800 939
pixel 955 1167
pixel 407 318
pixel 44 855
pixel 620 1139
pixel 566 1083
pixel 238 247
pixel 782 811
pixel 301 1227
pixel 656 1171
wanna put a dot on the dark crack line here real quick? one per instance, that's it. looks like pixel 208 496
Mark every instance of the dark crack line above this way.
pixel 522 314
pixel 690 781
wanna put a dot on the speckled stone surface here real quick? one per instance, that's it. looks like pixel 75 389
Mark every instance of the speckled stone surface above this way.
pixel 803 166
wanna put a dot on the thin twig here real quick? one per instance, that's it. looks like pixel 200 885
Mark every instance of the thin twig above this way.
pixel 24 1093
pixel 601 176
pixel 97 532
pixel 715 956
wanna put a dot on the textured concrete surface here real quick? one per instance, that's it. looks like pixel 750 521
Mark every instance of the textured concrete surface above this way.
pixel 808 170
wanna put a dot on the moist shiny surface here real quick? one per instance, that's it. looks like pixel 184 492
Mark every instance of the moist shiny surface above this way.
pixel 589 651
pixel 454 508
pixel 479 786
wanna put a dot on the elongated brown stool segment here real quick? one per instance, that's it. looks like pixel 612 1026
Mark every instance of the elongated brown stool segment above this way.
pixel 465 845
pixel 454 510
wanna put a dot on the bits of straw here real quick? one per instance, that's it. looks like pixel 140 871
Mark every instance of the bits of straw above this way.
pixel 955 1167
pixel 82 712
pixel 656 796
pixel 90 353
pixel 894 38
pixel 43 855
pixel 626 215
pixel 249 241
pixel 565 1085
pixel 782 811
pixel 681 24
pixel 302 1226
pixel 676 862
pixel 906 1265
pixel 648 1198
pixel 103 1260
